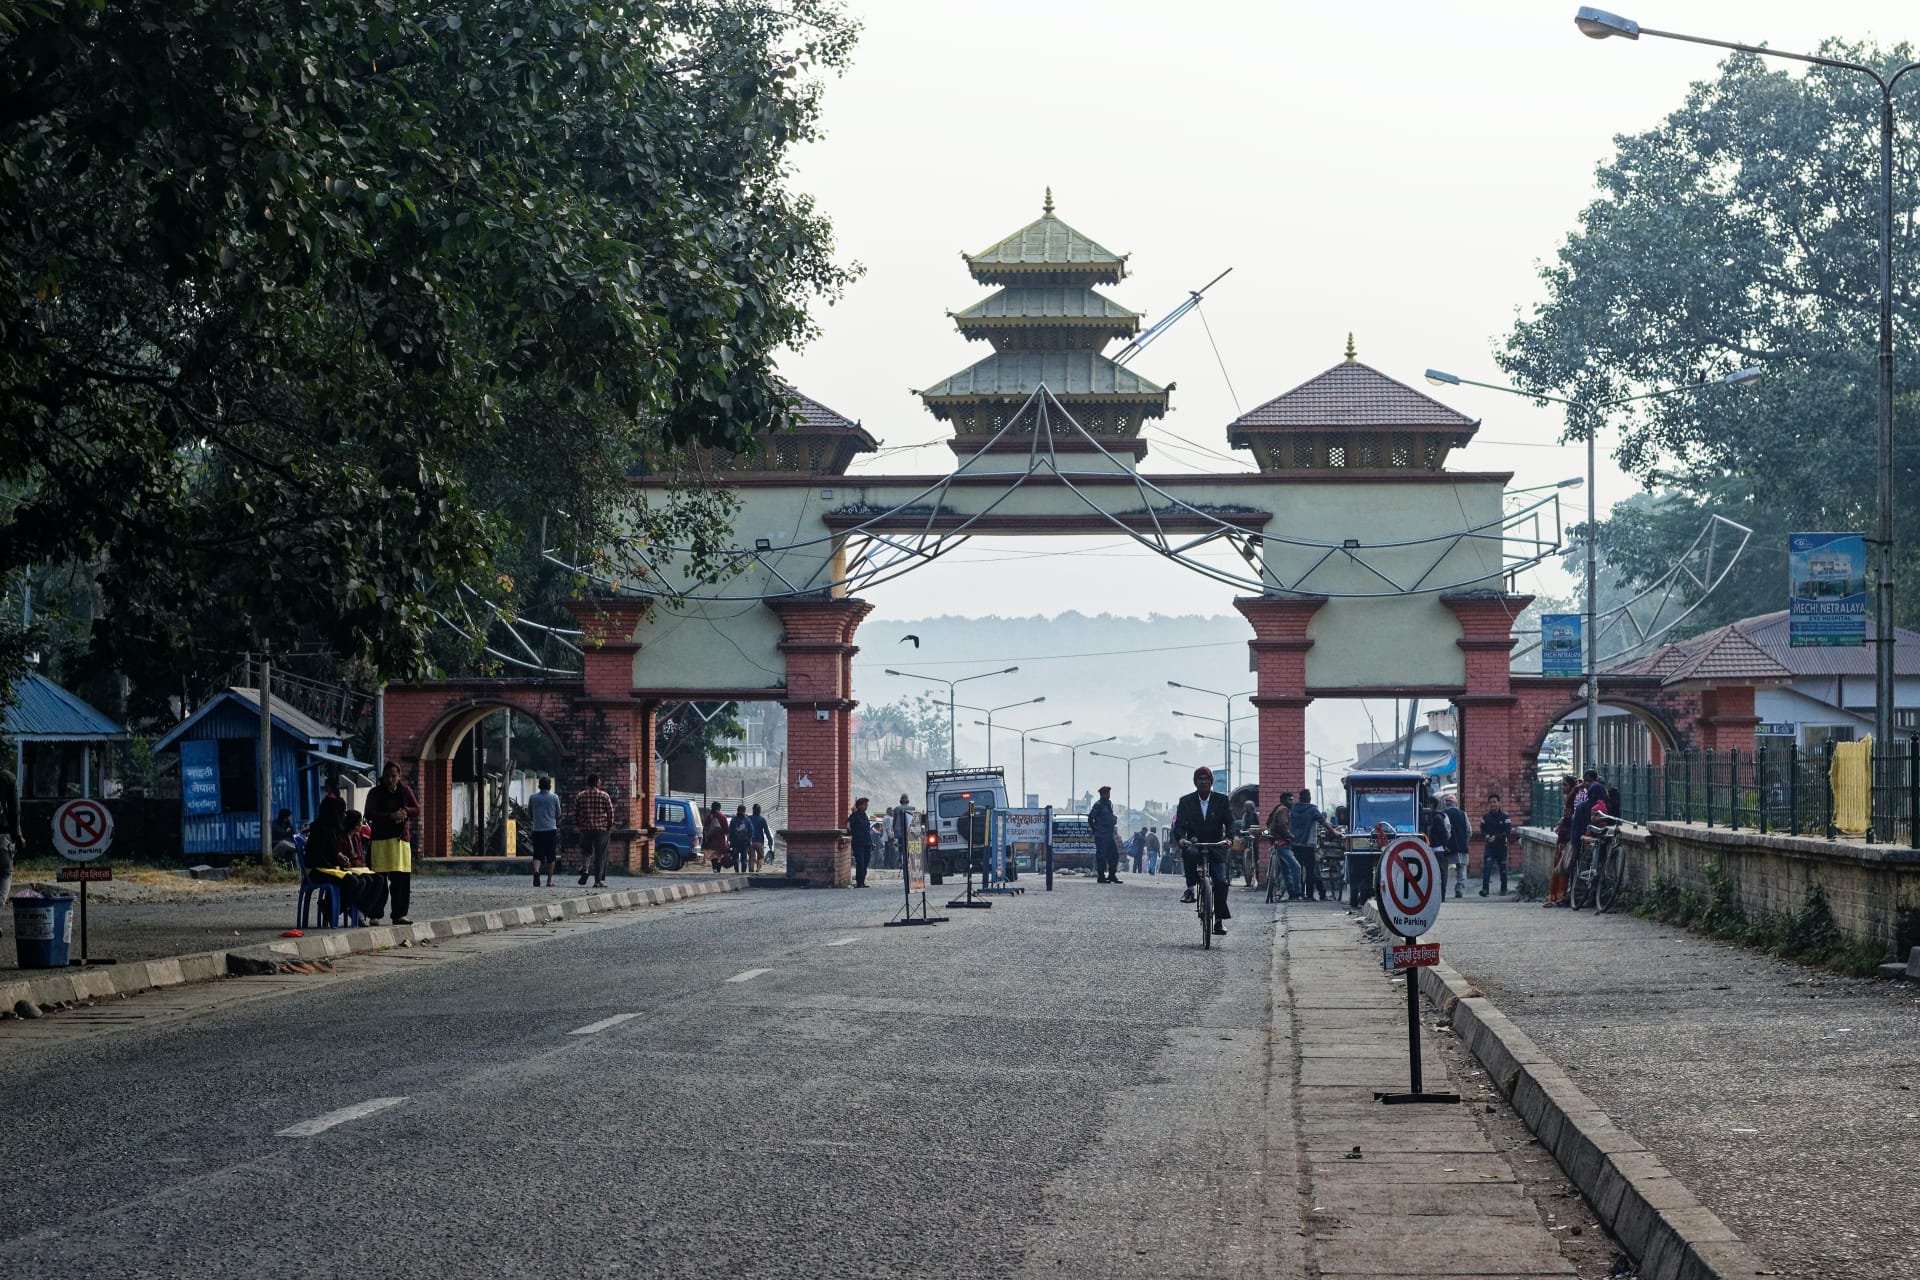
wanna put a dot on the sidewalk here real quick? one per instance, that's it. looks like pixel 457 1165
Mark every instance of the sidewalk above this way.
pixel 1786 1098
pixel 1392 1191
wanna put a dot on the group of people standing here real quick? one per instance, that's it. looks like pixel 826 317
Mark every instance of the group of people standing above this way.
pixel 368 856
pixel 741 842
pixel 592 820
pixel 1581 800
pixel 868 833
pixel 1293 827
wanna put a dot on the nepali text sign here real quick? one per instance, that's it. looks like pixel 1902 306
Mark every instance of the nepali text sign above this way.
pixel 1826 590
pixel 1560 645
pixel 68 875
pixel 200 778
pixel 1018 832
pixel 1414 955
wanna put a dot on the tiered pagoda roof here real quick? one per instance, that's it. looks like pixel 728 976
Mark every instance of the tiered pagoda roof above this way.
pixel 1352 416
pixel 1046 324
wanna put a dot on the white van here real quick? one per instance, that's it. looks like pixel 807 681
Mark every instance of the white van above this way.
pixel 949 792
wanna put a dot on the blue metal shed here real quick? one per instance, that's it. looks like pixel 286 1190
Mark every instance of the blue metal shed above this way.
pixel 219 747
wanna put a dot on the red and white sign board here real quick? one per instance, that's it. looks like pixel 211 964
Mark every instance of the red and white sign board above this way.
pixel 82 830
pixel 68 875
pixel 1410 889
pixel 1415 955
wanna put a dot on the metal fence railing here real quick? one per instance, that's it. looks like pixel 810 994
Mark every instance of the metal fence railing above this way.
pixel 1784 790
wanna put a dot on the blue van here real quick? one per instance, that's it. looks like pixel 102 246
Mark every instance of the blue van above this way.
pixel 678 839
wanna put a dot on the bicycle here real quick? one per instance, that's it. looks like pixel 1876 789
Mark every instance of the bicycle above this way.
pixel 1203 891
pixel 1599 881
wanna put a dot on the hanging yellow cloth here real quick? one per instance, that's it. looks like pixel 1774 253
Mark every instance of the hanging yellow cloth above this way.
pixel 1851 777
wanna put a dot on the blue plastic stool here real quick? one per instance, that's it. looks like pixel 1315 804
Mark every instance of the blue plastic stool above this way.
pixel 330 909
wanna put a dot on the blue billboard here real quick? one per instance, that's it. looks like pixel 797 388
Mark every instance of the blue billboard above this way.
pixel 200 777
pixel 1560 645
pixel 1826 589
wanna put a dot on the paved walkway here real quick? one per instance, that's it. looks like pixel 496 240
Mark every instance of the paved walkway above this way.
pixel 1393 1191
pixel 206 917
pixel 1783 1097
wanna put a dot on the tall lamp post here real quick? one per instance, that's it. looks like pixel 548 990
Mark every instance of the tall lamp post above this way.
pixel 991 712
pixel 1145 755
pixel 1587 414
pixel 1239 752
pixel 1226 758
pixel 1073 750
pixel 952 738
pixel 1058 724
pixel 1601 25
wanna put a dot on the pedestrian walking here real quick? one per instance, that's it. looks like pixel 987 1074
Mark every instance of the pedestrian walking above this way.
pixel 1459 845
pixel 543 815
pixel 593 821
pixel 1106 839
pixel 1307 822
pixel 860 831
pixel 740 838
pixel 1136 850
pixel 1153 852
pixel 1280 834
pixel 762 838
pixel 713 836
pixel 12 843
pixel 1495 827
pixel 391 809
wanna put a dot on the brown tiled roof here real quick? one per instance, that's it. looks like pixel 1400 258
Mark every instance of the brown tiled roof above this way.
pixel 1725 653
pixel 1767 635
pixel 1353 395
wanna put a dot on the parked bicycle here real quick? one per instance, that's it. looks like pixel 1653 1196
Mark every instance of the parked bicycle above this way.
pixel 1602 867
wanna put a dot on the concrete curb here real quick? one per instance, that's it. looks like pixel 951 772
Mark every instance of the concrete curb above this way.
pixel 172 971
pixel 1655 1217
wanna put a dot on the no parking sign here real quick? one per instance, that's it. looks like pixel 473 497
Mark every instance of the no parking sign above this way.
pixel 1410 894
pixel 82 830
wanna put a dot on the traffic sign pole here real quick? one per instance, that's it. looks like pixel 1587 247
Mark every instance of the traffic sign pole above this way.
pixel 82 830
pixel 1410 893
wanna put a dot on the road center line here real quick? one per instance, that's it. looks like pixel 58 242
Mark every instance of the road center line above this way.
pixel 320 1124
pixel 603 1024
pixel 843 942
pixel 749 975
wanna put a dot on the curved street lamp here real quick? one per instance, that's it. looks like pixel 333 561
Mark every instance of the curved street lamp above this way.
pixel 1145 755
pixel 1226 759
pixel 990 712
pixel 1601 25
pixel 1073 766
pixel 952 738
pixel 1023 746
pixel 1587 413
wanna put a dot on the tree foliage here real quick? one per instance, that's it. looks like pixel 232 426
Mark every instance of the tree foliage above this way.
pixel 1742 231
pixel 310 313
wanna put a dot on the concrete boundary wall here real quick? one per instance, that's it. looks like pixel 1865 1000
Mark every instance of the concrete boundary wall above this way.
pixel 1872 890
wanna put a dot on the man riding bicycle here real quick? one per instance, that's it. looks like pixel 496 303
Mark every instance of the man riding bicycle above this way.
pixel 1204 817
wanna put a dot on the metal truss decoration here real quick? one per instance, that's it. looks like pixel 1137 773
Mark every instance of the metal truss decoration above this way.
pixel 517 641
pixel 881 544
pixel 1701 568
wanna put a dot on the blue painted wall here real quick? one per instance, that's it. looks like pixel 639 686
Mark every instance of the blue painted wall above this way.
pixel 239 832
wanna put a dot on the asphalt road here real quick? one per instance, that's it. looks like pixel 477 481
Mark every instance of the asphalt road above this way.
pixel 1784 1097
pixel 767 1083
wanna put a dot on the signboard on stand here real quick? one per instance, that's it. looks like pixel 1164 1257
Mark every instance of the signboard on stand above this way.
pixel 1013 834
pixel 82 830
pixel 1410 887
pixel 913 876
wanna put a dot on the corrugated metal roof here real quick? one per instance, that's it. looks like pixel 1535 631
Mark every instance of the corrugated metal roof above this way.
pixel 287 719
pixel 41 711
pixel 1016 303
pixel 1066 373
pixel 1349 395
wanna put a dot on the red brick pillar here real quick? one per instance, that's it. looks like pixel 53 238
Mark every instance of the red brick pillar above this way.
pixel 432 783
pixel 1727 719
pixel 616 741
pixel 818 650
pixel 1280 646
pixel 646 720
pixel 1489 745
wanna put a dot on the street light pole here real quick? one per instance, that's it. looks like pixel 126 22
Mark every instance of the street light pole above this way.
pixel 1145 755
pixel 1239 752
pixel 1601 25
pixel 1226 757
pixel 1587 414
pixel 953 740
pixel 1073 761
pixel 990 711
pixel 1058 724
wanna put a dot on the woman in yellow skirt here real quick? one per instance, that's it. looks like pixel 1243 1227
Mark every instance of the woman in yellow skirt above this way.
pixel 391 810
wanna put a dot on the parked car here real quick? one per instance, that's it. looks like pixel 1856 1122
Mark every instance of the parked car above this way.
pixel 678 839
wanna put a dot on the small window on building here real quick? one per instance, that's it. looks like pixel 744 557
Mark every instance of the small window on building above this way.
pixel 1336 455
pixel 1302 451
pixel 1906 719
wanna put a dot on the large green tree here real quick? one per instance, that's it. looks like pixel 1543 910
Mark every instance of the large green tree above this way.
pixel 311 314
pixel 1742 231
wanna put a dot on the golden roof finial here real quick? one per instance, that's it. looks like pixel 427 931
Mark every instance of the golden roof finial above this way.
pixel 1047 208
pixel 1350 356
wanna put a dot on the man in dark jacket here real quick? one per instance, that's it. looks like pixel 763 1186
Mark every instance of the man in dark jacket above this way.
pixel 1495 827
pixel 1307 822
pixel 860 831
pixel 1203 816
pixel 1106 839
pixel 1459 846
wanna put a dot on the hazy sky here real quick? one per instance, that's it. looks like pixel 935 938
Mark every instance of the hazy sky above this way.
pixel 1392 168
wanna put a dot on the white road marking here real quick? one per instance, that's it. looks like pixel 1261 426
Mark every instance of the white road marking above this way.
pixel 320 1124
pixel 843 942
pixel 749 975
pixel 603 1024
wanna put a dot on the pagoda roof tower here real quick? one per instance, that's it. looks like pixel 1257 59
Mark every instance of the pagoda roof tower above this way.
pixel 1046 324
